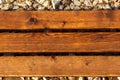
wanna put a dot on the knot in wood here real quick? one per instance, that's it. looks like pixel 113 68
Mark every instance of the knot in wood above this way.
pixel 33 20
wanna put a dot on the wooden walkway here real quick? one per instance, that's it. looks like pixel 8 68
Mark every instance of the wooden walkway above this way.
pixel 60 32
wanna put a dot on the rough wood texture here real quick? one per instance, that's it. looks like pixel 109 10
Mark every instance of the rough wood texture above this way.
pixel 60 19
pixel 60 42
pixel 60 66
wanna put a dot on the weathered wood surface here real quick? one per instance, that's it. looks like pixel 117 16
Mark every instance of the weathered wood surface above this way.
pixel 60 66
pixel 60 19
pixel 60 42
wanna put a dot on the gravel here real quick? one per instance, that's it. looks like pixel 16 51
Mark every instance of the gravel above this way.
pixel 62 78
pixel 59 4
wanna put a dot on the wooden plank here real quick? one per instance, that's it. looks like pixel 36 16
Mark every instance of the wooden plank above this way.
pixel 60 19
pixel 60 66
pixel 60 42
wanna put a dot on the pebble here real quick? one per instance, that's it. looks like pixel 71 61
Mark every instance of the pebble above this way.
pixel 60 78
pixel 106 1
pixel 100 6
pixel 76 2
pixel 116 4
pixel 66 2
pixel 107 6
pixel 55 3
pixel 15 7
pixel 46 3
pixel 88 3
pixel 5 7
pixel 77 8
pixel 40 7
pixel 28 2
pixel 40 1
pixel 61 7
pixel 67 8
pixel 82 1
pixel 100 1
pixel 0 1
pixel 72 6
pixel 95 2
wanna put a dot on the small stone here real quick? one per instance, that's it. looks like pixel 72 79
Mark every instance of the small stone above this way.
pixel 88 3
pixel 41 1
pixel 20 9
pixel 67 8
pixel 46 3
pixel 100 6
pixel 15 7
pixel 9 1
pixel 117 4
pixel 107 6
pixel 106 1
pixel 0 1
pixel 81 1
pixel 77 3
pixel 95 2
pixel 40 7
pixel 100 1
pixel 61 7
pixel 66 2
pixel 56 4
pixel 19 1
pixel 6 1
pixel 50 7
pixel 11 6
pixel 72 6
pixel 112 4
pixel 28 2
pixel 35 5
pixel 35 78
pixel 5 7
pixel 77 8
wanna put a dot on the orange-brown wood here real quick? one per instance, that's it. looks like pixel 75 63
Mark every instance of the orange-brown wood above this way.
pixel 60 42
pixel 60 66
pixel 60 19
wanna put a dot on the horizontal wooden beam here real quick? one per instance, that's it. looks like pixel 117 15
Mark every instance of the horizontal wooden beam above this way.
pixel 60 42
pixel 60 19
pixel 60 66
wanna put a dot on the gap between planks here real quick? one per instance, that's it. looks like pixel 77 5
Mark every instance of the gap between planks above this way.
pixel 60 42
pixel 59 66
pixel 98 19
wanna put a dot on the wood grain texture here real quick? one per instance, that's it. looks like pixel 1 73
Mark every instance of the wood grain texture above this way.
pixel 60 42
pixel 60 19
pixel 60 66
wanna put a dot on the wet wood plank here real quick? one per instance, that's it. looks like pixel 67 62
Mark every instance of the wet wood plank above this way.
pixel 59 66
pixel 60 19
pixel 60 42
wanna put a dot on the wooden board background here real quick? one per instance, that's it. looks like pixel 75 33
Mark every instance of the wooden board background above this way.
pixel 60 19
pixel 15 37
pixel 60 42
pixel 60 66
